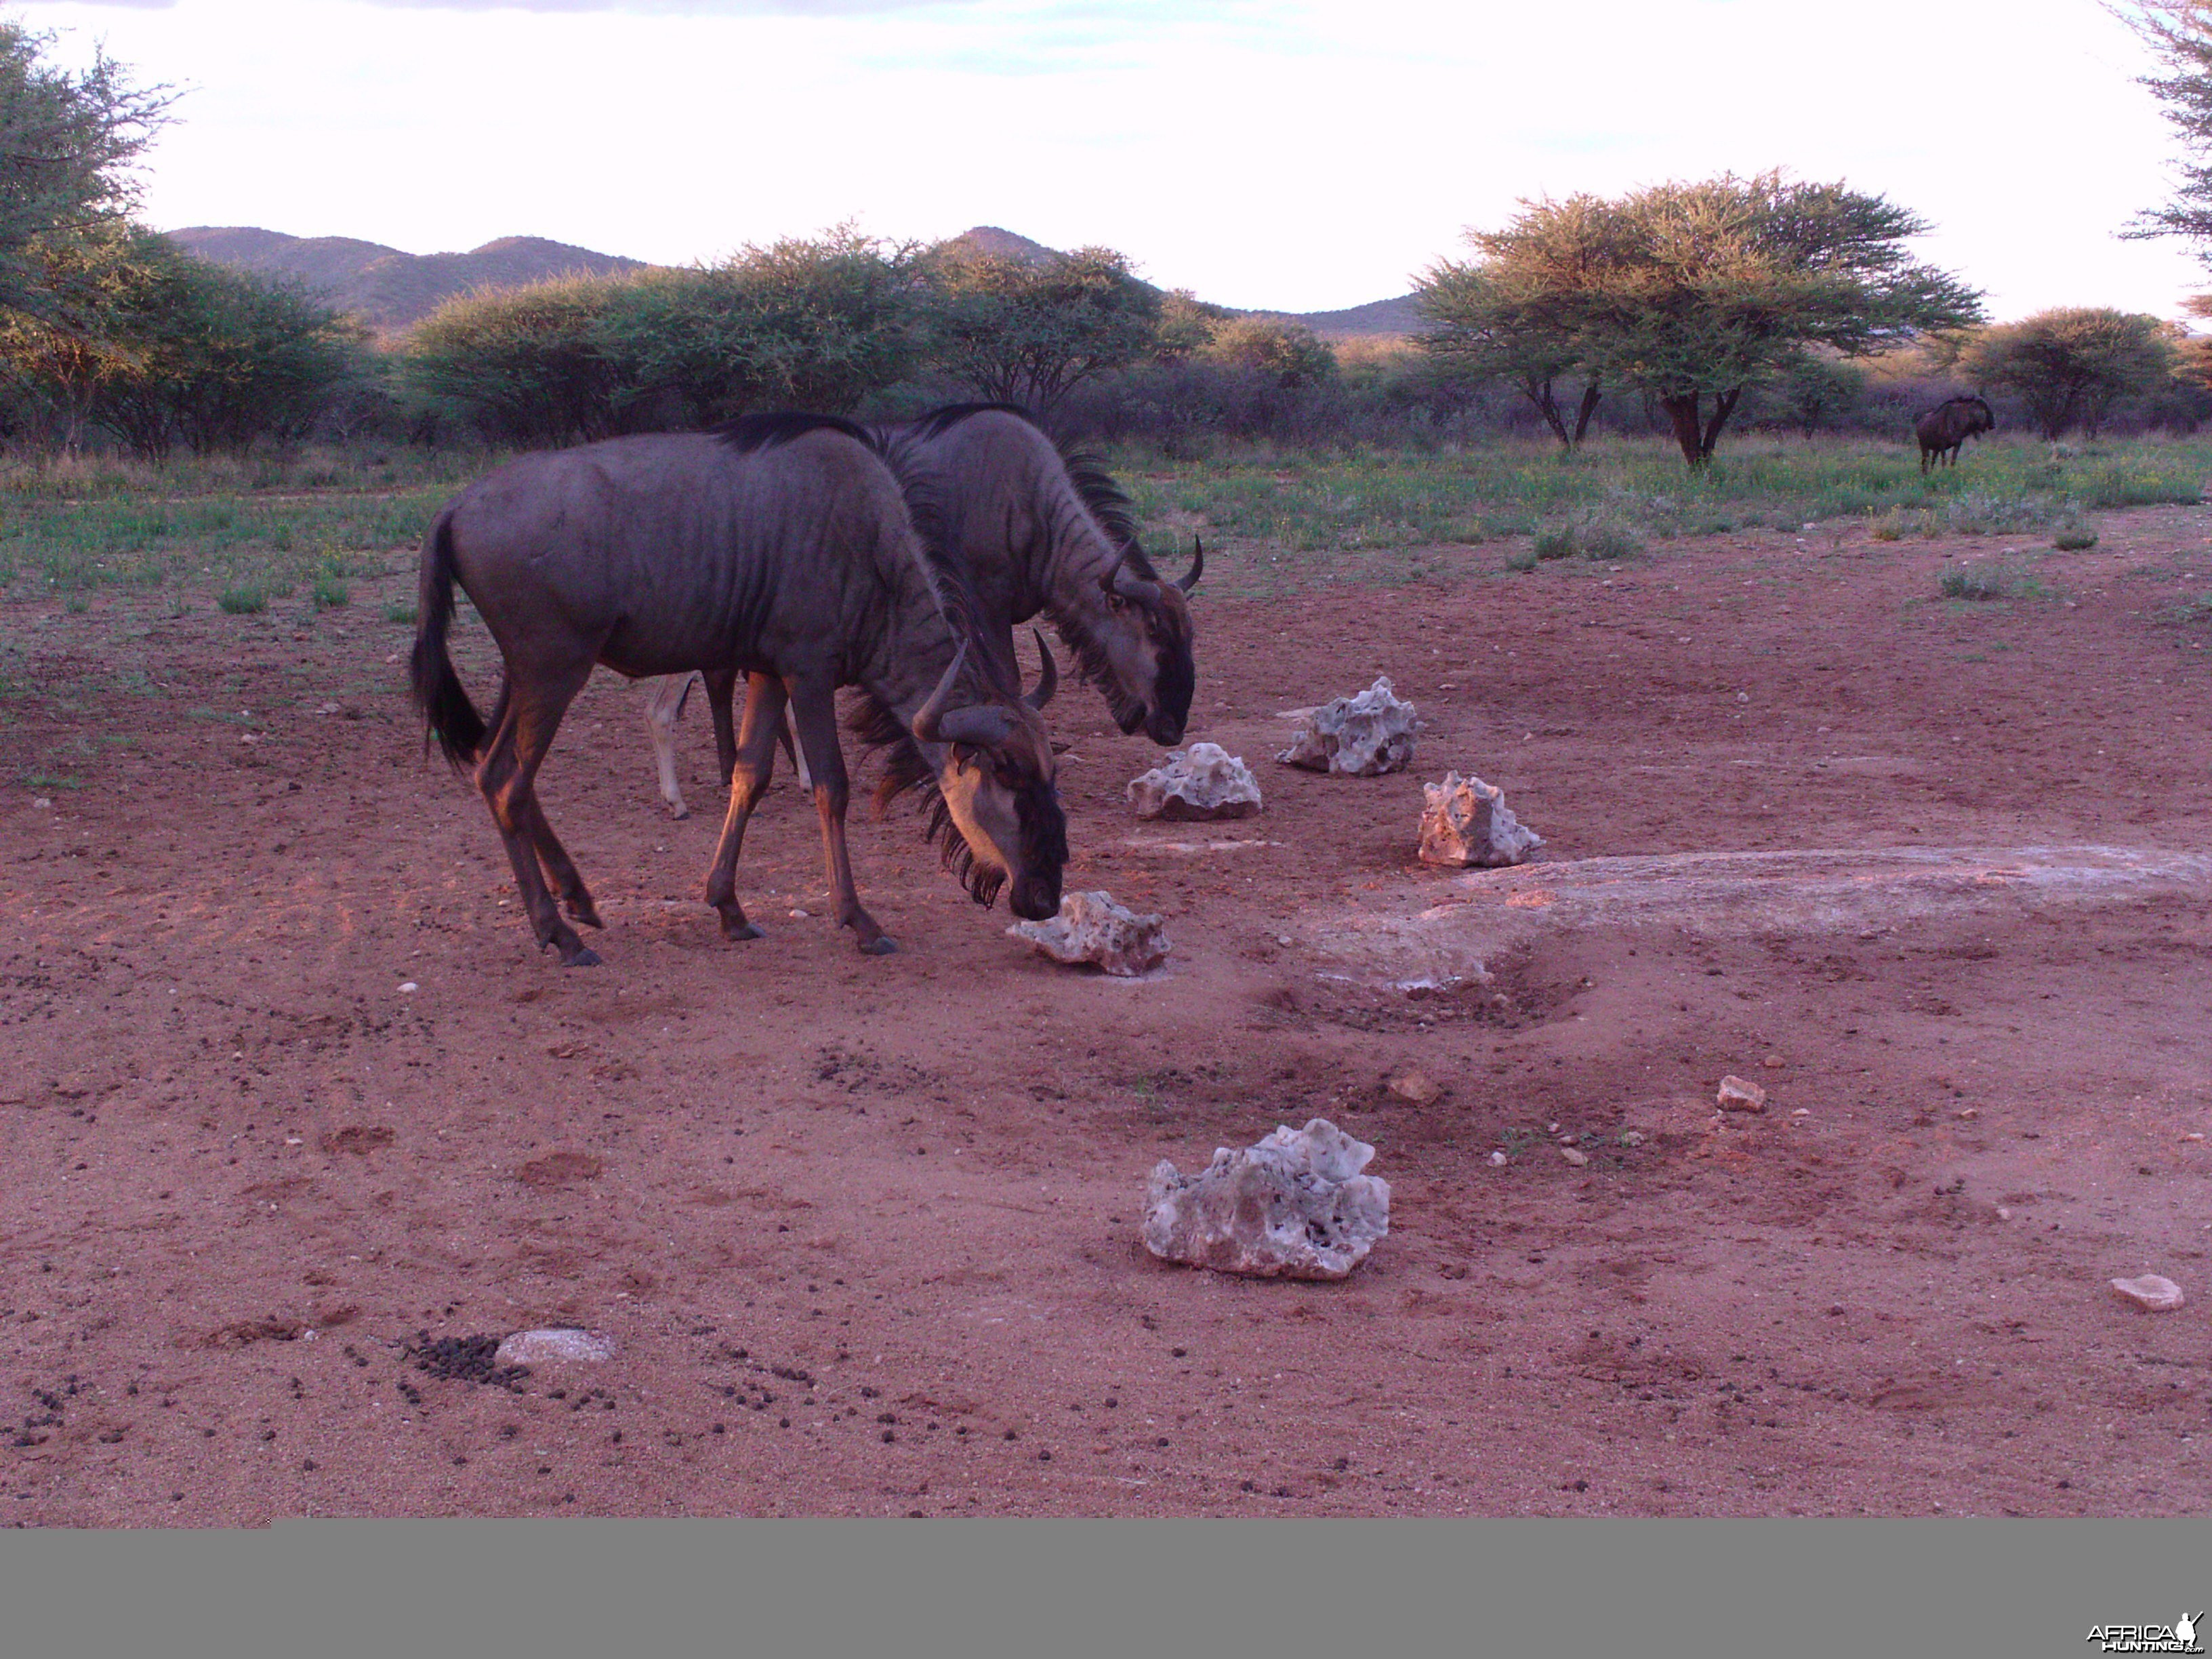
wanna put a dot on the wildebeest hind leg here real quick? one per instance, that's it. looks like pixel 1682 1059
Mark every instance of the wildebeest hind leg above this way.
pixel 814 717
pixel 753 765
pixel 507 777
pixel 721 685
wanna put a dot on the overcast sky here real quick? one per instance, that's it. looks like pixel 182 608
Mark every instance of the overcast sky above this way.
pixel 1294 155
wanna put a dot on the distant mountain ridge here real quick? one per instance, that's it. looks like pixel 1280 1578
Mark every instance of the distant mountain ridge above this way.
pixel 389 289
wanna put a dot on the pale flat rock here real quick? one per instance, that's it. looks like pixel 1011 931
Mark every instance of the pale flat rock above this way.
pixel 1738 1096
pixel 560 1345
pixel 1361 736
pixel 1466 824
pixel 1201 783
pixel 1416 1088
pixel 1295 1205
pixel 2150 1290
pixel 1091 927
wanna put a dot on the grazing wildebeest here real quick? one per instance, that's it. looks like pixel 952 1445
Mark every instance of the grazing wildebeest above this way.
pixel 782 548
pixel 1944 429
pixel 1035 529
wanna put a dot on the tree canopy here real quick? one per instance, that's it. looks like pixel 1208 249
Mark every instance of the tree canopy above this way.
pixel 66 144
pixel 1031 331
pixel 2179 33
pixel 2070 365
pixel 1690 292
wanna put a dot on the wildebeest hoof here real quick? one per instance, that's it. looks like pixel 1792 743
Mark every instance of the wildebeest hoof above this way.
pixel 679 813
pixel 737 932
pixel 881 945
pixel 585 958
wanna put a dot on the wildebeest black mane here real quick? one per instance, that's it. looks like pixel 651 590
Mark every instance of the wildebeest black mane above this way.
pixel 765 428
pixel 1101 495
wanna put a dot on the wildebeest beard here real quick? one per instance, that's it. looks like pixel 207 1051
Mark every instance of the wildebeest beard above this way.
pixel 1037 808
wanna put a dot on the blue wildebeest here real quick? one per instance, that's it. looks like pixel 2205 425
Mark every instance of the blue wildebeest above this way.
pixel 1035 529
pixel 1944 429
pixel 782 548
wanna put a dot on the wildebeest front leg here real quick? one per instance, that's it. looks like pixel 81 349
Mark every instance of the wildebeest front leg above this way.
pixel 749 772
pixel 814 716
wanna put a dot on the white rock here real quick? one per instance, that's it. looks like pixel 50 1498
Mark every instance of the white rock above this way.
pixel 1202 781
pixel 562 1343
pixel 42 803
pixel 1091 928
pixel 408 987
pixel 1498 1160
pixel 1466 824
pixel 1359 737
pixel 1575 1155
pixel 1295 1205
pixel 1738 1096
pixel 2149 1291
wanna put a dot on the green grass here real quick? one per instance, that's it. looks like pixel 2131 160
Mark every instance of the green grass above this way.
pixel 1957 584
pixel 245 601
pixel 1288 517
pixel 1275 520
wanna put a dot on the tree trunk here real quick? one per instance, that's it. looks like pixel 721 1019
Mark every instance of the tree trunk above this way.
pixel 1682 412
pixel 1591 396
pixel 1723 406
pixel 1539 392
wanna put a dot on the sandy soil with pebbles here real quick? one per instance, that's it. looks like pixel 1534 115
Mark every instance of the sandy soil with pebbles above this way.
pixel 864 1231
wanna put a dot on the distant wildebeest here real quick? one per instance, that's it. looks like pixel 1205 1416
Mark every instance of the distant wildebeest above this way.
pixel 782 548
pixel 1944 428
pixel 1034 529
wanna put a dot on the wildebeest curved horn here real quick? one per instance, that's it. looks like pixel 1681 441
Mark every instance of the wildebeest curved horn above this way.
pixel 1197 566
pixel 928 719
pixel 1047 676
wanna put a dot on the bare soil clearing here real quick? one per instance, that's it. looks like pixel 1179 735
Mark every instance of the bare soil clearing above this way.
pixel 866 1231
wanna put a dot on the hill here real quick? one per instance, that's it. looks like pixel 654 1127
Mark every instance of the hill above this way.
pixel 387 288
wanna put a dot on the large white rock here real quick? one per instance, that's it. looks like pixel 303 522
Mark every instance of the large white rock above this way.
pixel 560 1345
pixel 1466 822
pixel 1295 1205
pixel 1202 781
pixel 1360 737
pixel 1091 928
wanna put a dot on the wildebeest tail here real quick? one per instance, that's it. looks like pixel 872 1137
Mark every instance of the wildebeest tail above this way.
pixel 451 717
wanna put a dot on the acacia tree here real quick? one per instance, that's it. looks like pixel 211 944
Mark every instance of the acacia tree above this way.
pixel 1031 332
pixel 66 144
pixel 2179 33
pixel 2070 365
pixel 1692 293
pixel 1514 312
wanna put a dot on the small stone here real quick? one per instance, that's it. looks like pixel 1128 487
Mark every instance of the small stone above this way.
pixel 1361 736
pixel 1415 1088
pixel 1968 1113
pixel 1466 824
pixel 801 916
pixel 42 803
pixel 1801 1111
pixel 1091 928
pixel 408 987
pixel 1738 1096
pixel 2003 1214
pixel 1201 782
pixel 1574 1155
pixel 1631 1138
pixel 1774 1062
pixel 1293 1206
pixel 1498 1160
pixel 2193 1135
pixel 560 1345
pixel 2150 1290
pixel 327 709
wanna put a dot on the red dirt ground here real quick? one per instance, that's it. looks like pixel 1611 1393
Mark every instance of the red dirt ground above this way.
pixel 865 1229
